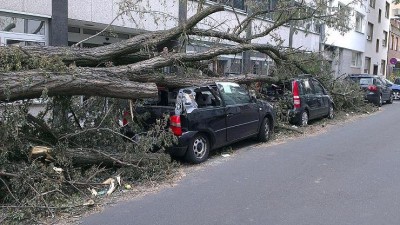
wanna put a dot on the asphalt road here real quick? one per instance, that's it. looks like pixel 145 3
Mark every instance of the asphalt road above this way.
pixel 348 175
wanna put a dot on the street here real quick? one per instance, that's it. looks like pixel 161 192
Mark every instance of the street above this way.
pixel 347 175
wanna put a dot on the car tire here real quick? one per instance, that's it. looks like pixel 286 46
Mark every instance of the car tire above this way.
pixel 265 130
pixel 304 119
pixel 198 149
pixel 379 102
pixel 396 95
pixel 390 101
pixel 331 113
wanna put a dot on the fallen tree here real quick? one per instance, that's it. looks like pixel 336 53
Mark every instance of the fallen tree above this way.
pixel 75 71
pixel 84 133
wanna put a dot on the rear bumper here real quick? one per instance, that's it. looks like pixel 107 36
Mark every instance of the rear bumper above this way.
pixel 372 97
pixel 179 149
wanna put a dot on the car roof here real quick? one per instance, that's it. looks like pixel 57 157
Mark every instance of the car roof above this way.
pixel 363 75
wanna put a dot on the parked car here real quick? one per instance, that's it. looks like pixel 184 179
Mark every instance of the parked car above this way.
pixel 395 89
pixel 212 116
pixel 307 99
pixel 376 89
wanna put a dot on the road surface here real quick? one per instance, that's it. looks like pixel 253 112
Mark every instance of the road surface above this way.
pixel 348 175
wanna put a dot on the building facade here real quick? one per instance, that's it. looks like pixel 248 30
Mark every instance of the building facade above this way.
pixel 67 22
pixel 364 48
pixel 394 49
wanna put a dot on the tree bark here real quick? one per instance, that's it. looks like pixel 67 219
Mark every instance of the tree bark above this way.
pixel 113 82
pixel 92 82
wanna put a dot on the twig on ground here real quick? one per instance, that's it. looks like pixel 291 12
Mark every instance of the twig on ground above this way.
pixel 290 128
pixel 9 191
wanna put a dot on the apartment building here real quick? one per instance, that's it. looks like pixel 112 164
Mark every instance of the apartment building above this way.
pixel 376 48
pixel 67 22
pixel 364 48
pixel 393 59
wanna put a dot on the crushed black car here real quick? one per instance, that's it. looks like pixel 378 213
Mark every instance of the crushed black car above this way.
pixel 211 116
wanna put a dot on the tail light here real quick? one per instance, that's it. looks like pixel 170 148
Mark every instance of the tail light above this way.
pixel 175 125
pixel 296 97
pixel 372 88
pixel 125 117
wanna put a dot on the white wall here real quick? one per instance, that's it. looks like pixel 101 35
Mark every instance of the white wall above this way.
pixel 352 40
pixel 37 7
pixel 104 11
pixel 357 41
pixel 379 27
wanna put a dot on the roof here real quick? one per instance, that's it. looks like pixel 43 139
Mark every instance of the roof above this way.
pixel 363 75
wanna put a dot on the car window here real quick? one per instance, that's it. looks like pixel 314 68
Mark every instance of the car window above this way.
pixel 379 82
pixel 204 98
pixel 388 82
pixel 307 87
pixel 233 93
pixel 397 81
pixel 367 81
pixel 318 87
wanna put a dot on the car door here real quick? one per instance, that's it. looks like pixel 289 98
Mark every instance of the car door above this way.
pixel 210 115
pixel 310 98
pixel 322 98
pixel 384 89
pixel 242 114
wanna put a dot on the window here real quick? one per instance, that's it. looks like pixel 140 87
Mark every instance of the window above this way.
pixel 387 8
pixel 383 67
pixel 372 3
pixel 233 93
pixel 204 98
pixel 384 40
pixel 370 31
pixel 239 4
pixel 344 10
pixel 90 31
pixel 378 81
pixel 377 45
pixel 367 64
pixel 359 22
pixel 22 25
pixel 366 81
pixel 74 30
pixel 307 87
pixel 356 59
pixel 392 43
pixel 319 90
pixel 380 16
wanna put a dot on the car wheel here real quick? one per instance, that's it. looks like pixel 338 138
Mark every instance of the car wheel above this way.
pixel 198 150
pixel 304 119
pixel 396 95
pixel 380 102
pixel 390 101
pixel 331 113
pixel 265 131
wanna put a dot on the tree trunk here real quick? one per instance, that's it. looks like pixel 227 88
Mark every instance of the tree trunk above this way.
pixel 33 84
pixel 105 82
